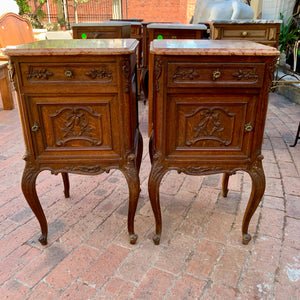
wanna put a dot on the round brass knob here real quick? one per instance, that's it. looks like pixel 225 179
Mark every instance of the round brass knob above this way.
pixel 216 74
pixel 245 33
pixel 69 73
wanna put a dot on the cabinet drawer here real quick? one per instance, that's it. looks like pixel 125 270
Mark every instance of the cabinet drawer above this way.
pixel 245 33
pixel 215 74
pixel 43 73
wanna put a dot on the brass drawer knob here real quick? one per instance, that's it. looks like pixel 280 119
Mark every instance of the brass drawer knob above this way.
pixel 216 74
pixel 69 73
pixel 248 127
pixel 35 127
pixel 245 33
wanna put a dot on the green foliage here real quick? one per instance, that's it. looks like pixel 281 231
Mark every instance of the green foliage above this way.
pixel 24 8
pixel 288 34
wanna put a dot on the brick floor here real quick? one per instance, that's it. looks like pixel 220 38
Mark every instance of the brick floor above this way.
pixel 200 256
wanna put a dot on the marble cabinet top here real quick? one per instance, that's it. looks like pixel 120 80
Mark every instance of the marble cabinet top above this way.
pixel 211 47
pixel 102 24
pixel 177 26
pixel 74 47
pixel 244 21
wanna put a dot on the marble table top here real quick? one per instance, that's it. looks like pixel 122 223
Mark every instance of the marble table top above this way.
pixel 102 24
pixel 211 47
pixel 177 26
pixel 245 21
pixel 74 47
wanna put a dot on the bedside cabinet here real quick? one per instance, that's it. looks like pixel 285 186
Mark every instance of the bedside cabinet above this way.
pixel 210 101
pixel 78 108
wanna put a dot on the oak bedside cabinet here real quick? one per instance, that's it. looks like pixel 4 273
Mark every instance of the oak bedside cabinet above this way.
pixel 210 101
pixel 78 108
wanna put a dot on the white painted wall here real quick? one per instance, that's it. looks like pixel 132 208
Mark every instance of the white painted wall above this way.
pixel 8 6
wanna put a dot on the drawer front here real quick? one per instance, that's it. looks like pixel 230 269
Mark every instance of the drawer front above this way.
pixel 205 125
pixel 246 33
pixel 49 73
pixel 100 33
pixel 215 74
pixel 74 126
pixel 175 34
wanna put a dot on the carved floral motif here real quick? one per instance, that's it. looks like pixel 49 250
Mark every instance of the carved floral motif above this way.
pixel 185 74
pixel 210 125
pixel 38 73
pixel 250 75
pixel 125 65
pixel 77 123
pixel 157 72
pixel 101 73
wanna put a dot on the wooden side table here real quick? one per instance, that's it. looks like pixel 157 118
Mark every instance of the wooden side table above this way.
pixel 77 101
pixel 209 109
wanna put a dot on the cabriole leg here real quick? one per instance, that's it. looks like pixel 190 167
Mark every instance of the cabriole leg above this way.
pixel 258 187
pixel 65 177
pixel 29 190
pixel 132 177
pixel 225 184
pixel 155 177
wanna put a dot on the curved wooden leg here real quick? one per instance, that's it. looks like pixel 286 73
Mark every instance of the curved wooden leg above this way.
pixel 132 177
pixel 29 190
pixel 65 177
pixel 151 148
pixel 139 151
pixel 258 187
pixel 225 184
pixel 144 83
pixel 155 177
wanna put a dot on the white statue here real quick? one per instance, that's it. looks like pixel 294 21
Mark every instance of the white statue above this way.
pixel 221 10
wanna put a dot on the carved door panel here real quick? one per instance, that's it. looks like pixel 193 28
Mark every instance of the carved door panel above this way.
pixel 206 125
pixel 68 125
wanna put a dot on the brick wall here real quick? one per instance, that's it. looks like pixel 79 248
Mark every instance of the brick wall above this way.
pixel 159 10
pixel 148 10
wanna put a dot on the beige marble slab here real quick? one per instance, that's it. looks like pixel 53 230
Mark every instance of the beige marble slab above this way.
pixel 244 21
pixel 74 47
pixel 211 47
pixel 103 24
pixel 177 26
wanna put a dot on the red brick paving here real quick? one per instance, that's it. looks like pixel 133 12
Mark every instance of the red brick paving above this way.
pixel 200 256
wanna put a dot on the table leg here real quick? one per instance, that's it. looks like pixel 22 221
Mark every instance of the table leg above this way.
pixel 29 190
pixel 130 172
pixel 225 184
pixel 297 136
pixel 155 177
pixel 258 187
pixel 65 177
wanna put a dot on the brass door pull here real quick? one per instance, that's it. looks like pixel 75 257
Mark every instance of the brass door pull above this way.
pixel 216 74
pixel 69 73
pixel 245 33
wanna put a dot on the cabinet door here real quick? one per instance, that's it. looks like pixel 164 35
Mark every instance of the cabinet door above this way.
pixel 68 125
pixel 210 126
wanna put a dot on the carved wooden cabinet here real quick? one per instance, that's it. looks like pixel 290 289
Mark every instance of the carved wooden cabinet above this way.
pixel 101 30
pixel 261 31
pixel 77 102
pixel 209 109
